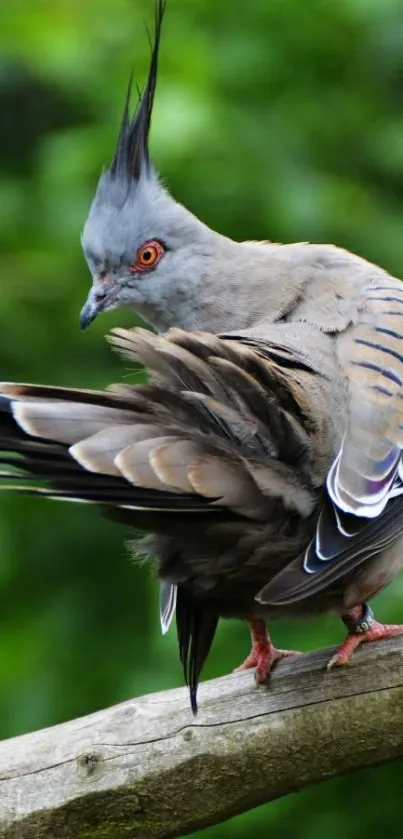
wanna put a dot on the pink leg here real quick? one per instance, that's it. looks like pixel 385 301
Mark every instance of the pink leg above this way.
pixel 263 655
pixel 362 628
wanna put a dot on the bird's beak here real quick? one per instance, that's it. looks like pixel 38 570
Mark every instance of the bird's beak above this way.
pixel 88 312
pixel 102 296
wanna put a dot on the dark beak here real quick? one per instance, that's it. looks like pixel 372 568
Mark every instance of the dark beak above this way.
pixel 88 314
pixel 97 300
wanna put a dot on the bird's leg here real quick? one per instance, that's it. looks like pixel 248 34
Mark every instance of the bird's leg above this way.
pixel 362 627
pixel 263 655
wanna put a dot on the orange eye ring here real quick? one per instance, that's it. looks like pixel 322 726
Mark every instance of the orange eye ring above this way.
pixel 148 256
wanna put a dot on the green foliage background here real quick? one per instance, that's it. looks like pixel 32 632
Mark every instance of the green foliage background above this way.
pixel 281 120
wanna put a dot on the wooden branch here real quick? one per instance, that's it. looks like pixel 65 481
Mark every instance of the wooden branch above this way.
pixel 147 769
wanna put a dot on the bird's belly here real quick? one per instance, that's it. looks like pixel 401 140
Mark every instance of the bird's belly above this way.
pixel 230 599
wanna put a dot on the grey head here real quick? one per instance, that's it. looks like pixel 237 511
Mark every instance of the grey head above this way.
pixel 144 250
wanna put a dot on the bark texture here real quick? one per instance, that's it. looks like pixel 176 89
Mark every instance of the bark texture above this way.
pixel 146 768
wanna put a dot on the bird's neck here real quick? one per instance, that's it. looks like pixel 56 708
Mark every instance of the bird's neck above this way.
pixel 229 286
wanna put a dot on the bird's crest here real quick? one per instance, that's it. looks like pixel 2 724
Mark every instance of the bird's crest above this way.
pixel 131 157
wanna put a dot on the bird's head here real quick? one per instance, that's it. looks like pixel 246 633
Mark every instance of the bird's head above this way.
pixel 141 245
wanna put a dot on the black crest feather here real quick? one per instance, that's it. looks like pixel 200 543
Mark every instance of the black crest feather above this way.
pixel 131 156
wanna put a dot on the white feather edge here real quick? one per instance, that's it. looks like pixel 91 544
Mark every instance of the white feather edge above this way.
pixel 350 505
pixel 167 611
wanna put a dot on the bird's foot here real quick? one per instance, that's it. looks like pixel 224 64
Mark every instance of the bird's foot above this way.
pixel 263 655
pixel 362 628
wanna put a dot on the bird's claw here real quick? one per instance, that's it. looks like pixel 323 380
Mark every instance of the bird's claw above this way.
pixel 263 655
pixel 376 632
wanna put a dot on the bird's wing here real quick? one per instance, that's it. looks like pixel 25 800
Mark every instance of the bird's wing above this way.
pixel 371 357
pixel 217 431
pixel 363 511
pixel 342 543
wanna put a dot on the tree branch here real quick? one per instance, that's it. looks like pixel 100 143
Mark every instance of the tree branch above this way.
pixel 147 769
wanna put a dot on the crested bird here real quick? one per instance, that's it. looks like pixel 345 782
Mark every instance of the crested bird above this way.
pixel 264 457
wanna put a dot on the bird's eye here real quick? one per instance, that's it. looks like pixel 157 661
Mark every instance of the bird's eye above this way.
pixel 147 256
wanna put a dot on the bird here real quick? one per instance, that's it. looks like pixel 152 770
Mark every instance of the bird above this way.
pixel 263 458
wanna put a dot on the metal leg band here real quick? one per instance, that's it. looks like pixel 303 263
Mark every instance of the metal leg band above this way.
pixel 359 625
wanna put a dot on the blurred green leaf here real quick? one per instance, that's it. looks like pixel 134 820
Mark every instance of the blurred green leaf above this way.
pixel 278 120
